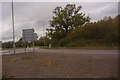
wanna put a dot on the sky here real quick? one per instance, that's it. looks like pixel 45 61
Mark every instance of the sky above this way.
pixel 36 15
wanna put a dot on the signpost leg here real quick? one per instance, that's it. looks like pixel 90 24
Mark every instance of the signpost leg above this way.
pixel 25 47
pixel 33 46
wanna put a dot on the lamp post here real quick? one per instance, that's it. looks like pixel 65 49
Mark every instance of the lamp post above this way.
pixel 13 28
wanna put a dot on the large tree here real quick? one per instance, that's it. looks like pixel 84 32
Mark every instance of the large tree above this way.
pixel 67 18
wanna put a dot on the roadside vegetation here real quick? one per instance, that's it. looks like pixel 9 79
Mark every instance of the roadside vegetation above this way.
pixel 82 48
pixel 27 57
pixel 70 28
pixel 5 75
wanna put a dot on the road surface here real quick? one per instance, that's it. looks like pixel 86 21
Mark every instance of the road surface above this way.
pixel 10 51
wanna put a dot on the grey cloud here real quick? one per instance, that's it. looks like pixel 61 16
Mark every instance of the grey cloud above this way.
pixel 35 15
pixel 99 10
pixel 119 7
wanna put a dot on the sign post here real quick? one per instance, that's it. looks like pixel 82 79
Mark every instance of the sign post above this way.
pixel 25 47
pixel 29 35
pixel 33 46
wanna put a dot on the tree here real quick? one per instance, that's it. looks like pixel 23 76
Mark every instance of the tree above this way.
pixel 66 19
pixel 20 43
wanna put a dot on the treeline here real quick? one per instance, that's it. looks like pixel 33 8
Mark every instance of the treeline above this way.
pixel 71 28
pixel 18 44
pixel 43 41
pixel 7 44
pixel 101 33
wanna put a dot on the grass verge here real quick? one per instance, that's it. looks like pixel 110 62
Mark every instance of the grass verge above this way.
pixel 85 47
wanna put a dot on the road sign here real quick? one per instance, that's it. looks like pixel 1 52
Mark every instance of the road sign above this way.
pixel 35 36
pixel 29 35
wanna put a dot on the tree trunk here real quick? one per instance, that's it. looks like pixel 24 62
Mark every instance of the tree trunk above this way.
pixel 66 30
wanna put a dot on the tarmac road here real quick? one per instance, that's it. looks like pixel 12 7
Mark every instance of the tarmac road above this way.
pixel 10 51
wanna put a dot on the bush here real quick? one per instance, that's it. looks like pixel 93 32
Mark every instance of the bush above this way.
pixel 77 43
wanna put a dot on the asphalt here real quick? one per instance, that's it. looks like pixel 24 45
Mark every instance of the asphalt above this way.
pixel 10 51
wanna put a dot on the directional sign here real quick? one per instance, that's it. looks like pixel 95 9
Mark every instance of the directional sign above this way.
pixel 35 36
pixel 29 35
pixel 27 31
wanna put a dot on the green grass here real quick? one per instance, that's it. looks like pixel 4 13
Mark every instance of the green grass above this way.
pixel 5 77
pixel 112 76
pixel 12 48
pixel 86 47
pixel 27 57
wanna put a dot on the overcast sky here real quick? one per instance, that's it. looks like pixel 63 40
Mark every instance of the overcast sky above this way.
pixel 37 14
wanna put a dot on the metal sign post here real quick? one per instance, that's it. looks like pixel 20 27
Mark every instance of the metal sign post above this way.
pixel 25 47
pixel 33 41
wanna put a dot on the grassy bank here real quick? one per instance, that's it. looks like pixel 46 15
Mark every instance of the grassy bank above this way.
pixel 86 47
